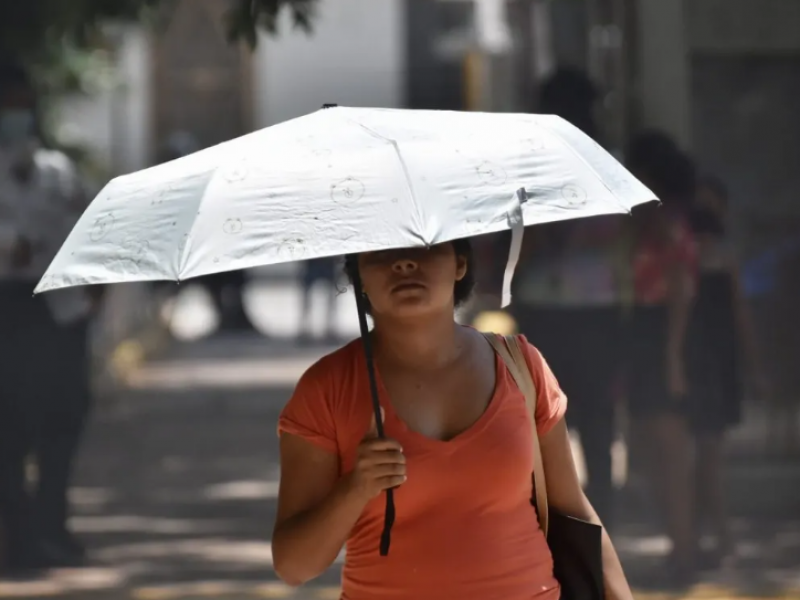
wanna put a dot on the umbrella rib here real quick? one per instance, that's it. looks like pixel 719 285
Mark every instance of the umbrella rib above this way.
pixel 403 165
pixel 184 252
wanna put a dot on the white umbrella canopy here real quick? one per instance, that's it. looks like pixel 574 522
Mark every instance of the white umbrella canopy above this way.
pixel 340 181
pixel 343 181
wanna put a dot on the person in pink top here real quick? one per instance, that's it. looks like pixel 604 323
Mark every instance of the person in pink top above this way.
pixel 457 452
pixel 664 272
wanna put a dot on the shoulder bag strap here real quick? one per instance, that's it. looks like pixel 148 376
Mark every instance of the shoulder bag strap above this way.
pixel 514 359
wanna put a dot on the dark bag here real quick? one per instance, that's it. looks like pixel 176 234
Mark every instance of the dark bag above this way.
pixel 575 544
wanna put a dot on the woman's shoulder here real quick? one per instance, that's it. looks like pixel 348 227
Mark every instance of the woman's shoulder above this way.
pixel 324 398
pixel 334 366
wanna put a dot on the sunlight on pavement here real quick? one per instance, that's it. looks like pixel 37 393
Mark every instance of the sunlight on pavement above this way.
pixel 90 498
pixel 278 590
pixel 209 550
pixel 233 590
pixel 649 545
pixel 242 490
pixel 239 374
pixel 64 582
pixel 132 523
pixel 711 592
pixel 110 585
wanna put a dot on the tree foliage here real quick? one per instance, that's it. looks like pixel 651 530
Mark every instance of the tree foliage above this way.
pixel 66 47
pixel 48 33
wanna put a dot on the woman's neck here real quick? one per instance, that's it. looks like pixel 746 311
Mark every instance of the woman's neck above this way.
pixel 428 345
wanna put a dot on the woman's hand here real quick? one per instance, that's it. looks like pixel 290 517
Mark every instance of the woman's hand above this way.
pixel 380 465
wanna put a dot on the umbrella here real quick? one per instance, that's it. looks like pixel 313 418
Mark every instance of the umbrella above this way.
pixel 343 181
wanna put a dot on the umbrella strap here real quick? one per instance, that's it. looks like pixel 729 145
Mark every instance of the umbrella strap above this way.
pixel 517 225
pixel 388 519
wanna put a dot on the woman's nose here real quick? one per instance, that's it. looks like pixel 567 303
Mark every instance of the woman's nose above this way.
pixel 404 266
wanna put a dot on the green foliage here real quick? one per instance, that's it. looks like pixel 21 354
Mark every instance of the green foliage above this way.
pixel 68 46
pixel 246 17
pixel 51 34
pixel 32 29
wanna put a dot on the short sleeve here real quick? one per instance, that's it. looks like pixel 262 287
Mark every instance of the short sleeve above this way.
pixel 309 414
pixel 551 401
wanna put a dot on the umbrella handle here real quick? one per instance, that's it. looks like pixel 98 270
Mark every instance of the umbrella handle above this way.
pixel 389 514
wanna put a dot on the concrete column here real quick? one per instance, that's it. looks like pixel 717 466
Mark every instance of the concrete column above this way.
pixel 664 68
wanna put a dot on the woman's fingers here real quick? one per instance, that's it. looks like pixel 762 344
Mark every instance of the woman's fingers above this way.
pixel 386 457
pixel 381 465
pixel 388 470
pixel 380 445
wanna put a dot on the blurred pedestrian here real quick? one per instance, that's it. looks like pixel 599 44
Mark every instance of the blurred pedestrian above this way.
pixel 720 330
pixel 664 273
pixel 572 286
pixel 44 357
pixel 227 293
pixel 324 272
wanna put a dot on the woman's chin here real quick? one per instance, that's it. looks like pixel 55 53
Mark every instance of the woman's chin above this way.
pixel 414 308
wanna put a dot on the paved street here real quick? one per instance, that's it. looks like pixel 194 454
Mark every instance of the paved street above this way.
pixel 176 488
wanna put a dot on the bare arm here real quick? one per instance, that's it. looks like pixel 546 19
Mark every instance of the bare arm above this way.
pixel 316 511
pixel 317 508
pixel 679 302
pixel 564 494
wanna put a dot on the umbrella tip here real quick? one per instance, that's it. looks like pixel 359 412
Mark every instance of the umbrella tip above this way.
pixel 329 105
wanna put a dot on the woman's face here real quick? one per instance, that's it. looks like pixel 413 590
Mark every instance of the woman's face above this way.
pixel 412 282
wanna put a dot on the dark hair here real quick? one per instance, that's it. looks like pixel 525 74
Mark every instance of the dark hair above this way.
pixel 570 94
pixel 668 169
pixel 462 289
pixel 649 147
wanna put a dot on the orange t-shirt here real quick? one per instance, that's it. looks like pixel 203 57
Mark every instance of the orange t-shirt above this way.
pixel 465 525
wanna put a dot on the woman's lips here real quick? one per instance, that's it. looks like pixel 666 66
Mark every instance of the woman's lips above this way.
pixel 407 286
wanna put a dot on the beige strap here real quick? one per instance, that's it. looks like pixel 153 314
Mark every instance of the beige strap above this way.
pixel 515 362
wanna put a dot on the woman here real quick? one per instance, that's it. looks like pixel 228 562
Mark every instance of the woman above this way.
pixel 664 264
pixel 719 328
pixel 458 452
